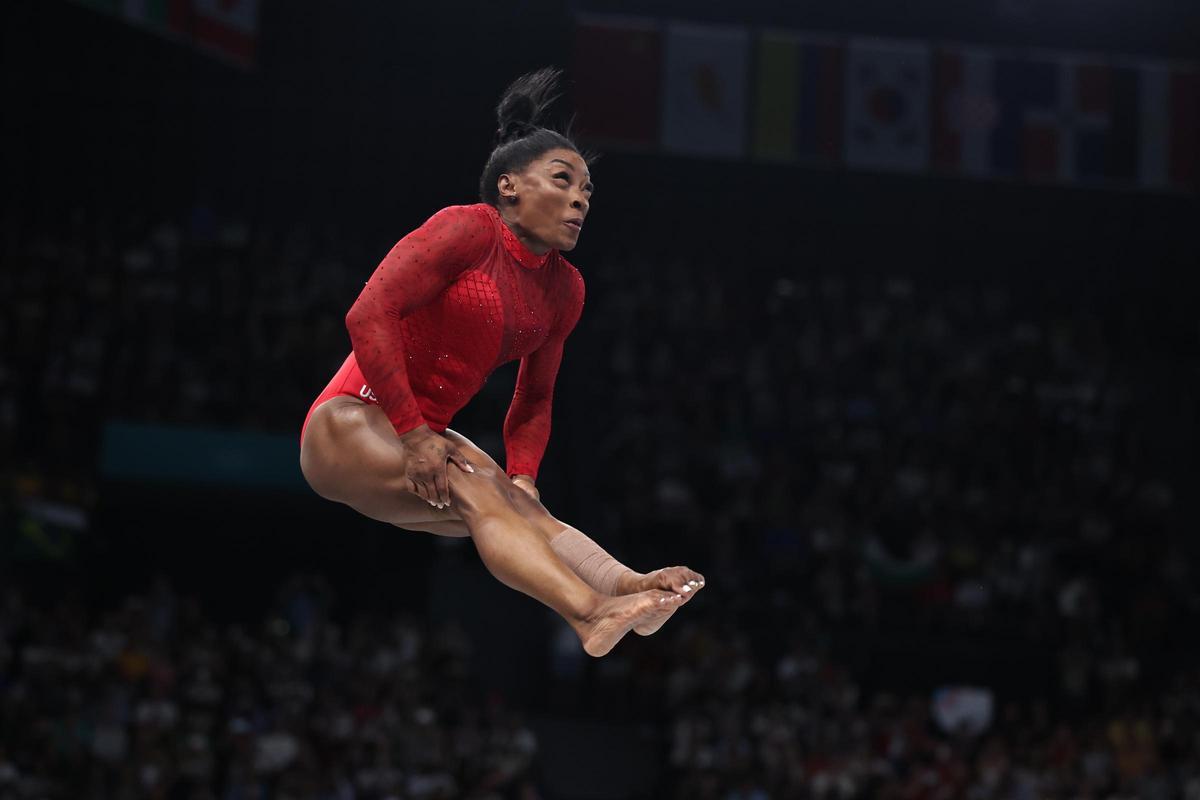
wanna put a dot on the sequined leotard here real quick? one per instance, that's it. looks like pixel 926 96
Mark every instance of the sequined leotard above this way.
pixel 452 301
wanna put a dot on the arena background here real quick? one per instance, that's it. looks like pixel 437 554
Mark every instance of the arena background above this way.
pixel 921 432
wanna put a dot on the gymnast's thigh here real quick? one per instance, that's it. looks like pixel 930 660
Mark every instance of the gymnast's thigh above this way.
pixel 350 454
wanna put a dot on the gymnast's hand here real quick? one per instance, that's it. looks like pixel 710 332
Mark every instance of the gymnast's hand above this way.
pixel 426 454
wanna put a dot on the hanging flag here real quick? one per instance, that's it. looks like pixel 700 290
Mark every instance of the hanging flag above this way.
pixel 1185 128
pixel 1107 153
pixel 1169 106
pixel 775 97
pixel 887 105
pixel 617 77
pixel 822 101
pixel 1025 143
pixel 704 90
pixel 798 105
pixel 878 104
pixel 152 14
pixel 1069 120
pixel 1154 103
pixel 1067 139
pixel 225 27
pixel 965 111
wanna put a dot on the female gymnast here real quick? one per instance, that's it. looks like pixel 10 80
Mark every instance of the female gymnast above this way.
pixel 475 287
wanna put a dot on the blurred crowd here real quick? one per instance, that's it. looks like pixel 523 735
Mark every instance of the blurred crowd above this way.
pixel 931 480
pixel 746 726
pixel 907 461
pixel 156 699
pixel 891 483
pixel 193 321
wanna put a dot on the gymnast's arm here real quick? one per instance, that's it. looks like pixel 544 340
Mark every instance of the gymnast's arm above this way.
pixel 527 424
pixel 419 267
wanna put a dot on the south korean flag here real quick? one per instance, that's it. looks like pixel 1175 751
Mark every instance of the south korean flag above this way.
pixel 887 105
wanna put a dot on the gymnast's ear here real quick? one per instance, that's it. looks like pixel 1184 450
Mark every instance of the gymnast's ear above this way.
pixel 506 184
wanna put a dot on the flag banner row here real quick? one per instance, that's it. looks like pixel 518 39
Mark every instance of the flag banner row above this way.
pixel 730 92
pixel 227 29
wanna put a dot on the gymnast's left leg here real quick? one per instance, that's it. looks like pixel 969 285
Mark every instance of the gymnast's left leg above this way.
pixel 588 560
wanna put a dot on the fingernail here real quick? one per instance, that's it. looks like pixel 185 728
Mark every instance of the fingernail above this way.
pixel 693 583
pixel 687 588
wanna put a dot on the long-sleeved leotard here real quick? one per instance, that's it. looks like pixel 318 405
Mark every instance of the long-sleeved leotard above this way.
pixel 452 301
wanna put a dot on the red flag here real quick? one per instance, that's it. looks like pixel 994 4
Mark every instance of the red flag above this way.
pixel 226 27
pixel 1185 128
pixel 618 64
pixel 1170 126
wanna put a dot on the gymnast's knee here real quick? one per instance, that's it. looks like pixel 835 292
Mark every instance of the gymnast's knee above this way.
pixel 523 501
pixel 482 492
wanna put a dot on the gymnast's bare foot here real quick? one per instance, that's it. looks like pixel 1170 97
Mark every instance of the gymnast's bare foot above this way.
pixel 614 616
pixel 681 580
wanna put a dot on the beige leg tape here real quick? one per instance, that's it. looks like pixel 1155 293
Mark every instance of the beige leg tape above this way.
pixel 589 561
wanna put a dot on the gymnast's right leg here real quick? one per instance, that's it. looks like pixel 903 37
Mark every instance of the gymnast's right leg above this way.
pixel 351 455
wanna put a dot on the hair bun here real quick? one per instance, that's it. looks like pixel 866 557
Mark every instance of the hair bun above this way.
pixel 524 103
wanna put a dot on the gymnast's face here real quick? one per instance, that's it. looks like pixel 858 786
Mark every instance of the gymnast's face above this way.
pixel 547 202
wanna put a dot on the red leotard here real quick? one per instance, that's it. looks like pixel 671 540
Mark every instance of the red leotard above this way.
pixel 452 301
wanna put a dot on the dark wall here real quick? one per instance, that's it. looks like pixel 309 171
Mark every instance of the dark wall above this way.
pixel 1164 27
